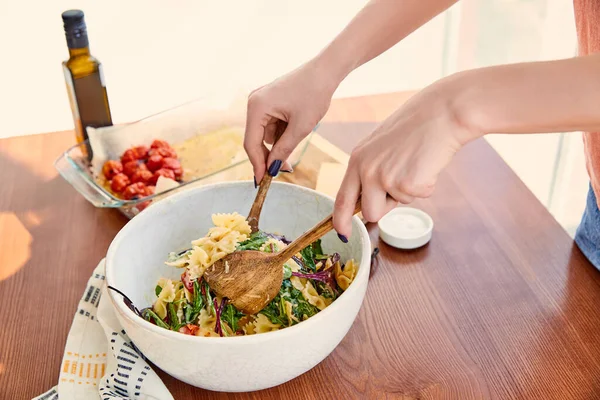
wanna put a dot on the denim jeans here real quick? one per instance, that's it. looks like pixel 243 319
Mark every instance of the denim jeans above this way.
pixel 587 236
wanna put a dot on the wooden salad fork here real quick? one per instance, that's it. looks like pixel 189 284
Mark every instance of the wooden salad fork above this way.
pixel 250 279
pixel 265 183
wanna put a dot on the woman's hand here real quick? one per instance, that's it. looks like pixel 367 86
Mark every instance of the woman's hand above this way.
pixel 402 158
pixel 300 98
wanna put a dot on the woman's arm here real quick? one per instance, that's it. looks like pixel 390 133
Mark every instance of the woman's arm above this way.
pixel 301 98
pixel 404 156
pixel 551 96
pixel 377 27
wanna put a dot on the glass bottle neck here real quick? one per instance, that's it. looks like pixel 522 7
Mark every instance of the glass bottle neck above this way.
pixel 83 51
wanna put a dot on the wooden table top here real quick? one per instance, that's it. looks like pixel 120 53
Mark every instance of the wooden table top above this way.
pixel 500 304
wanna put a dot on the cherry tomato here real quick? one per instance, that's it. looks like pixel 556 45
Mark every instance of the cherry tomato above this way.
pixel 157 143
pixel 187 282
pixel 128 155
pixel 167 173
pixel 112 168
pixel 134 191
pixel 141 175
pixel 132 167
pixel 155 162
pixel 163 151
pixel 189 329
pixel 119 183
pixel 141 152
pixel 174 165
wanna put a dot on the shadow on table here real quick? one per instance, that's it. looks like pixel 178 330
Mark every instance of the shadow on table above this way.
pixel 50 241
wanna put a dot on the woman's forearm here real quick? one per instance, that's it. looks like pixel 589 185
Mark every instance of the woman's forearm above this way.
pixel 377 27
pixel 552 96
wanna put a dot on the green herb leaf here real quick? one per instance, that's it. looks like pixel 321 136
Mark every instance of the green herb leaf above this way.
pixel 231 315
pixel 274 312
pixel 193 309
pixel 254 242
pixel 308 258
pixel 157 290
pixel 173 319
pixel 209 301
pixel 301 306
pixel 150 315
pixel 317 249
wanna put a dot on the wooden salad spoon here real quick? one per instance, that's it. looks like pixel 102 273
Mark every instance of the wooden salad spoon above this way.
pixel 265 183
pixel 250 279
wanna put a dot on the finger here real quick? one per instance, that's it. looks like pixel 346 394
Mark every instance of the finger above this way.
pixel 345 202
pixel 374 202
pixel 253 141
pixel 284 147
pixel 401 197
pixel 265 151
pixel 270 133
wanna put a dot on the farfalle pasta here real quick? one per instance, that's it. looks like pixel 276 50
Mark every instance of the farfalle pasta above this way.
pixel 312 280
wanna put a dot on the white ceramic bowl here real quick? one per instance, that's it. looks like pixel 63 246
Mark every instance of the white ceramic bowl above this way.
pixel 135 262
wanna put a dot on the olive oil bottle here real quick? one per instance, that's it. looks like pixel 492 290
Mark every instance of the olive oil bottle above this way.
pixel 84 78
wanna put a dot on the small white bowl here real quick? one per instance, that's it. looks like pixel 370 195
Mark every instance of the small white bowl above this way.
pixel 406 228
pixel 135 261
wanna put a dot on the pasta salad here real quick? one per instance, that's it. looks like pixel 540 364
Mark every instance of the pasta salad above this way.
pixel 312 280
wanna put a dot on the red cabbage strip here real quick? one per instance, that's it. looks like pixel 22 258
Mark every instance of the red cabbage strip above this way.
pixel 218 310
pixel 323 276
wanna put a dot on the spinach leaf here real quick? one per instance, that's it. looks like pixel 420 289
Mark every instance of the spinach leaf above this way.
pixel 308 258
pixel 231 315
pixel 274 312
pixel 301 306
pixel 254 242
pixel 157 290
pixel 317 249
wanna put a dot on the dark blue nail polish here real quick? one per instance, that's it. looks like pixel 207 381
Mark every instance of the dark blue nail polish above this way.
pixel 274 168
pixel 343 238
pixel 255 184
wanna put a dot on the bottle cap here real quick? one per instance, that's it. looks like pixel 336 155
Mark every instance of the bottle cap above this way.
pixel 406 228
pixel 75 29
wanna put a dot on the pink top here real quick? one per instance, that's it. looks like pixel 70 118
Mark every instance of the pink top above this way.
pixel 587 19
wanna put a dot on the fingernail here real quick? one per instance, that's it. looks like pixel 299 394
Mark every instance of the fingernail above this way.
pixel 255 184
pixel 274 168
pixel 343 238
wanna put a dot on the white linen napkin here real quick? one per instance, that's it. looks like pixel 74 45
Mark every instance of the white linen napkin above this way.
pixel 99 360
